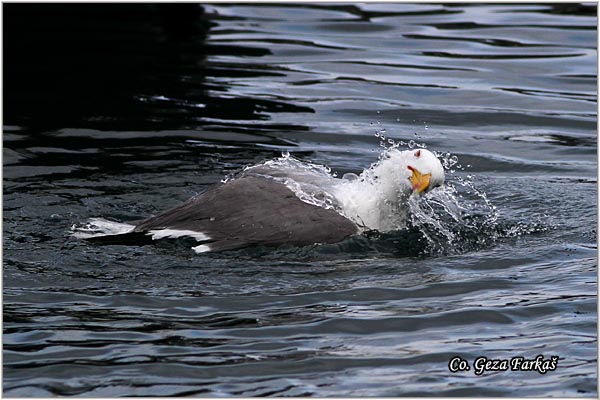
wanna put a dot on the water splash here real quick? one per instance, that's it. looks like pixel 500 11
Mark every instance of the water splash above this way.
pixel 445 215
pixel 459 217
pixel 310 182
pixel 454 218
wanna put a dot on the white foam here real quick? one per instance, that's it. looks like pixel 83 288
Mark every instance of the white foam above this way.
pixel 177 233
pixel 100 227
pixel 203 248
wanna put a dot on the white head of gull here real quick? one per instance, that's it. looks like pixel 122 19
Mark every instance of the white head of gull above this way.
pixel 286 201
pixel 377 199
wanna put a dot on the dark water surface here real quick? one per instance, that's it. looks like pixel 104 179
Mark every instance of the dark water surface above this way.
pixel 123 111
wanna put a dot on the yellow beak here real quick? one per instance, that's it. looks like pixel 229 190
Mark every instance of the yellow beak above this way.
pixel 419 181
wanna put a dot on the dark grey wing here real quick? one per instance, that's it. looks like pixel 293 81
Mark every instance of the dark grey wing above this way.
pixel 252 211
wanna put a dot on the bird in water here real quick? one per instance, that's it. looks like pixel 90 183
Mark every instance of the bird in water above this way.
pixel 287 201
